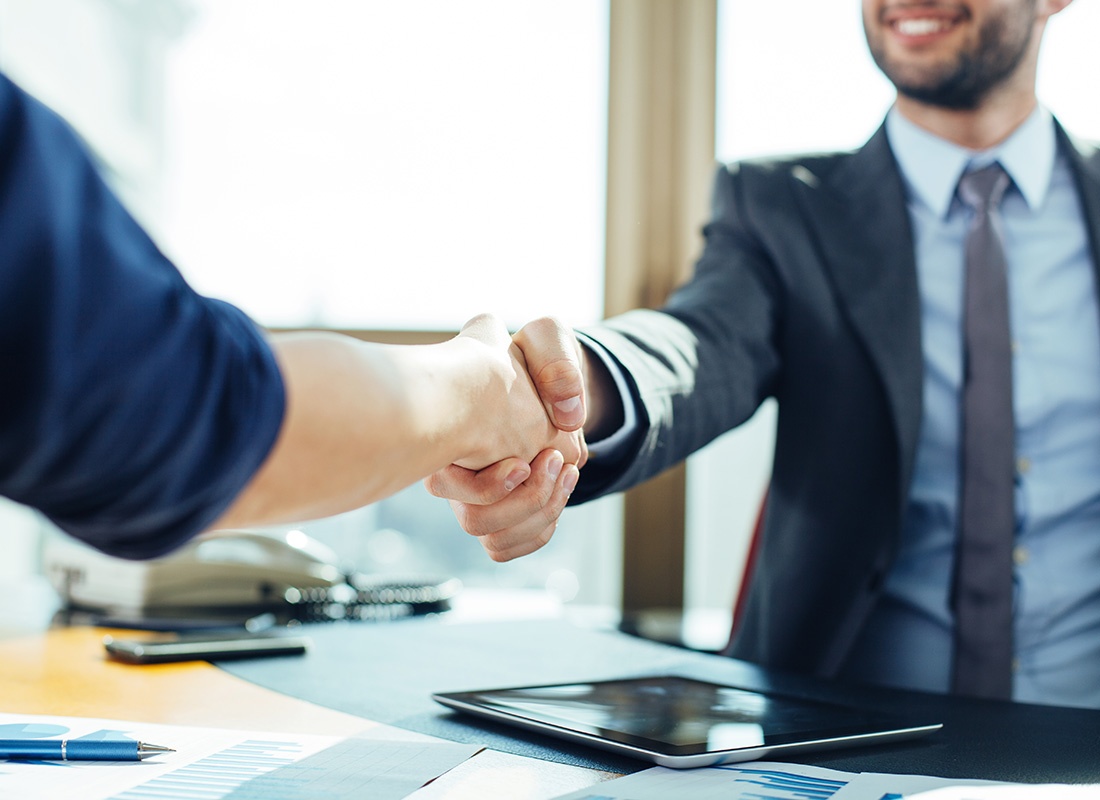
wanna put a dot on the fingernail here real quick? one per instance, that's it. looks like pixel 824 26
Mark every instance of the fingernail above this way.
pixel 554 467
pixel 570 482
pixel 514 479
pixel 568 412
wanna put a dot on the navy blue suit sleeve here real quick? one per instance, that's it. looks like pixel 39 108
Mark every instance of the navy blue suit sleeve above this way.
pixel 132 409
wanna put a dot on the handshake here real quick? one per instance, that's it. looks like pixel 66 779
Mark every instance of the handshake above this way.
pixel 494 421
pixel 510 491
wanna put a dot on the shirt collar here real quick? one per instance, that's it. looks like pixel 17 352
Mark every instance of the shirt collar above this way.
pixel 932 166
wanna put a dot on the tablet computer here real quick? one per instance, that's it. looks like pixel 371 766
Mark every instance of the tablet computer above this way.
pixel 682 722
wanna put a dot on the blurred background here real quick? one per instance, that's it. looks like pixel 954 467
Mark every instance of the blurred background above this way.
pixel 393 168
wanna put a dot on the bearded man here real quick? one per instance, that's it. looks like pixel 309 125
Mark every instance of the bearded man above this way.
pixel 924 311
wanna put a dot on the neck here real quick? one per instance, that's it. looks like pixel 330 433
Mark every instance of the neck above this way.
pixel 975 129
pixel 1000 112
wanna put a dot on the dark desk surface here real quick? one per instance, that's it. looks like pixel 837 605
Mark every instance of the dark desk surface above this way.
pixel 387 672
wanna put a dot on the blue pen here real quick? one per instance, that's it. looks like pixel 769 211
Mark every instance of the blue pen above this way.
pixel 79 749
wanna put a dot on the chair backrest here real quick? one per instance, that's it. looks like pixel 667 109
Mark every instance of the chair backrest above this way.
pixel 746 575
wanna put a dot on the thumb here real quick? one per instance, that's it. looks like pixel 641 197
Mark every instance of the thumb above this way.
pixel 553 360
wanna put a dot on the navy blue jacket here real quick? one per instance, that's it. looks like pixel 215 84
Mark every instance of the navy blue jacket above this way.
pixel 132 410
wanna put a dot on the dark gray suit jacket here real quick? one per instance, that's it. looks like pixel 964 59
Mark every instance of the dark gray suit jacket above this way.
pixel 806 291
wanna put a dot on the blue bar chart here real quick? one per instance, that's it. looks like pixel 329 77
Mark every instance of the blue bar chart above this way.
pixel 756 781
pixel 770 784
pixel 764 780
pixel 218 775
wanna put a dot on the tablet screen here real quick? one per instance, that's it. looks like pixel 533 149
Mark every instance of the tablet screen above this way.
pixel 678 716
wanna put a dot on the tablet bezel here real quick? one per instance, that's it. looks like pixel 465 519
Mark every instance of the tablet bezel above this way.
pixel 866 726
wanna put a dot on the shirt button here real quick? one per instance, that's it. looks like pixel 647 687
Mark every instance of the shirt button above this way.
pixel 1015 665
pixel 1020 555
pixel 1023 465
pixel 1015 346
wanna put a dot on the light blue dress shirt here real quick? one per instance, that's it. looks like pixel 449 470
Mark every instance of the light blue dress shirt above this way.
pixel 1056 385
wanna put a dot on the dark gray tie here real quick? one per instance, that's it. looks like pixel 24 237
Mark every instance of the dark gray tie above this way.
pixel 982 593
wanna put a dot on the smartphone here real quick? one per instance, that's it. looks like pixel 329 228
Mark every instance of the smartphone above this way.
pixel 204 647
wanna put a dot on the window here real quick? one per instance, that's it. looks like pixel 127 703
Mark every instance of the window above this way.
pixel 390 165
pixel 401 166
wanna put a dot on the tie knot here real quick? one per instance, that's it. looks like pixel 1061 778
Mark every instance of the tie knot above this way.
pixel 983 188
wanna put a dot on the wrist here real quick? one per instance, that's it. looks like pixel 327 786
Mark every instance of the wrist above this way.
pixel 462 394
pixel 604 405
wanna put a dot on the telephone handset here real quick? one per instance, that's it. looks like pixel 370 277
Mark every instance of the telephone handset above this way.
pixel 236 575
pixel 239 568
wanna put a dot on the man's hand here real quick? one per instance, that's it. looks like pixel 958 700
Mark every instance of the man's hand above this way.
pixel 517 415
pixel 513 507
pixel 554 361
pixel 510 519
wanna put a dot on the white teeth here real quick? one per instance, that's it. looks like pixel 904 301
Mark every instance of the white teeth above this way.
pixel 920 27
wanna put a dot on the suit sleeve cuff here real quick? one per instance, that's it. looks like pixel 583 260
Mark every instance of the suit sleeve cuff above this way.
pixel 618 443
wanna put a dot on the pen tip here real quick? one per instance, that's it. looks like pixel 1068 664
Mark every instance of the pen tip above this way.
pixel 152 749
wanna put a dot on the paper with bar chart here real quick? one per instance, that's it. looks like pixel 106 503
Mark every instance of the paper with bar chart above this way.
pixel 762 780
pixel 219 764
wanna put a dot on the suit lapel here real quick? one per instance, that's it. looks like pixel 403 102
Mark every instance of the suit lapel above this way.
pixel 858 215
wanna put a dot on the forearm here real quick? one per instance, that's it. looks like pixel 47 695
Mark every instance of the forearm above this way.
pixel 362 421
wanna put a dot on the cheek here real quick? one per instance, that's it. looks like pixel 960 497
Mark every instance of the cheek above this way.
pixel 870 16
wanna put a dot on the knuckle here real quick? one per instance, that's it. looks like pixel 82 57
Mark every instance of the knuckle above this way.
pixel 475 525
pixel 435 485
pixel 498 556
pixel 560 370
pixel 543 497
pixel 544 537
pixel 559 377
pixel 483 318
pixel 486 495
pixel 551 512
pixel 496 549
pixel 574 449
pixel 461 513
pixel 469 520
pixel 544 326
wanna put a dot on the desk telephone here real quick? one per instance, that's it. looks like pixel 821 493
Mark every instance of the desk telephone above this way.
pixel 237 574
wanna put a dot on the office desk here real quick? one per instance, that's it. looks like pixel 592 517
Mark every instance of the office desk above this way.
pixel 64 672
pixel 391 669
pixel 359 675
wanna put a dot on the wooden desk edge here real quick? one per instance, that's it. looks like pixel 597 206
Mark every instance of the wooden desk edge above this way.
pixel 66 672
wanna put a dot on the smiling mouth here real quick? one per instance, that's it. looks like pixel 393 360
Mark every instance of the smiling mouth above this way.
pixel 922 27
pixel 916 21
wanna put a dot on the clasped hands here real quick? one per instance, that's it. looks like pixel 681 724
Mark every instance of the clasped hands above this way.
pixel 513 504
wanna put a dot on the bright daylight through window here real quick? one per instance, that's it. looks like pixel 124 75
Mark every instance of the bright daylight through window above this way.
pixel 390 165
